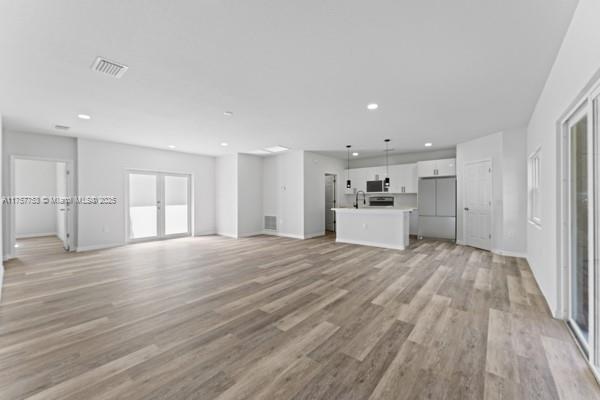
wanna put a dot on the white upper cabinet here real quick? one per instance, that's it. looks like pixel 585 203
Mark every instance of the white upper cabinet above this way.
pixel 445 167
pixel 403 178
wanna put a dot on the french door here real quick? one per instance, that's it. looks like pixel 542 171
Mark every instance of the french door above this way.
pixel 159 205
pixel 581 223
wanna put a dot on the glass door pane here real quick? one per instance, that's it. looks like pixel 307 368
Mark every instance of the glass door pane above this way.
pixel 579 268
pixel 176 204
pixel 143 212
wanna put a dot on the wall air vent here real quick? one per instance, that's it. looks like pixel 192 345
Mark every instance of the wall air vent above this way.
pixel 61 127
pixel 109 68
pixel 270 222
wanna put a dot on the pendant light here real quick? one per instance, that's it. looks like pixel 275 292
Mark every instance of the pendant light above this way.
pixel 348 183
pixel 386 182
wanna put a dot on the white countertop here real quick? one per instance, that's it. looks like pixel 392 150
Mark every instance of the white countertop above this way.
pixel 373 210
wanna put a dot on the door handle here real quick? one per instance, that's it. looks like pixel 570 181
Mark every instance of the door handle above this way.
pixel 466 208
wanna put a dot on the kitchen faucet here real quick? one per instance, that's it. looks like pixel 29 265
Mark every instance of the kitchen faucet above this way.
pixel 364 198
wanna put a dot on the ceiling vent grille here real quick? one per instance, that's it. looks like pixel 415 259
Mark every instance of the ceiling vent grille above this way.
pixel 109 68
pixel 61 127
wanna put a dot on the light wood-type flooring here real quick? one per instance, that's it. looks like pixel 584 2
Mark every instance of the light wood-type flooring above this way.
pixel 276 318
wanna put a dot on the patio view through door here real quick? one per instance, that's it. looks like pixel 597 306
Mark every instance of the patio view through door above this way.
pixel 159 205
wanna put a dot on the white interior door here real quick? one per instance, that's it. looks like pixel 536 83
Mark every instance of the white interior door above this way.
pixel 477 213
pixel 62 209
pixel 330 202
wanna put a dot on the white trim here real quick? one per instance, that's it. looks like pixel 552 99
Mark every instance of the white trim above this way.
pixel 314 235
pixel 229 235
pixel 34 235
pixel 99 247
pixel 205 233
pixel 367 243
pixel 249 234
pixel 509 253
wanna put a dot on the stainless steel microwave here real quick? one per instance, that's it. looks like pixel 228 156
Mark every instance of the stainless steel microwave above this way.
pixel 375 187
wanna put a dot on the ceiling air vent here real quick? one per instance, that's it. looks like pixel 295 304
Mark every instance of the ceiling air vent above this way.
pixel 61 127
pixel 109 68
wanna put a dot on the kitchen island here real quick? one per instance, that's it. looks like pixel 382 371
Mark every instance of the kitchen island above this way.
pixel 379 227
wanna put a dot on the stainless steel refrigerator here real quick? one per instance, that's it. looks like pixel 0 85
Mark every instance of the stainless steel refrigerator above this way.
pixel 437 207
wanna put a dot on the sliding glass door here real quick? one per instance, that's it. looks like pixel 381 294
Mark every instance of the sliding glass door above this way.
pixel 159 205
pixel 580 226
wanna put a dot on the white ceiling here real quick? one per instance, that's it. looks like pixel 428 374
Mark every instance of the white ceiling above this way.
pixel 295 73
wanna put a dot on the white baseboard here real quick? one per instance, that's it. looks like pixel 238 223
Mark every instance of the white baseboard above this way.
pixel 282 234
pixel 509 253
pixel 372 244
pixel 98 247
pixel 249 234
pixel 205 233
pixel 34 235
pixel 314 235
pixel 227 234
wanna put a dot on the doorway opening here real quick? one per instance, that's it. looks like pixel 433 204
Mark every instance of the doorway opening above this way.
pixel 40 212
pixel 330 202
pixel 159 205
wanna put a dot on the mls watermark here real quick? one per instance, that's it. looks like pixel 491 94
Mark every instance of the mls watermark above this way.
pixel 58 200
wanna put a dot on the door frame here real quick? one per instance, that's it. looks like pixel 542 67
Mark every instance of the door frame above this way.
pixel 464 195
pixel 335 200
pixel 70 215
pixel 160 196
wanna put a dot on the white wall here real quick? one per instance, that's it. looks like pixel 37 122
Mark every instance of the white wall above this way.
pixel 283 192
pixel 249 195
pixel 102 170
pixel 315 168
pixel 35 178
pixel 31 145
pixel 575 67
pixel 226 175
pixel 487 147
pixel 514 191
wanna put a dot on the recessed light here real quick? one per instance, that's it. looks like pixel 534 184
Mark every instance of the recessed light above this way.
pixel 276 149
pixel 16 245
pixel 83 116
pixel 224 144
pixel 372 106
pixel 171 146
pixel 428 144
pixel 228 113
pixel 355 154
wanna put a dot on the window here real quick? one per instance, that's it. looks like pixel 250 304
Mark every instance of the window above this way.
pixel 533 188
